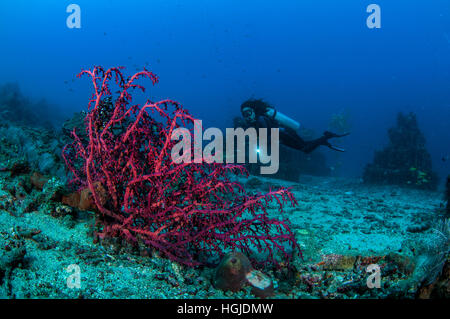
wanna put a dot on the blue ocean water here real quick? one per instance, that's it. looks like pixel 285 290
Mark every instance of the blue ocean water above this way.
pixel 310 59
pixel 318 62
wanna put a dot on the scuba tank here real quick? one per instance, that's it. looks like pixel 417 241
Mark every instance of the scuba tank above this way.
pixel 283 119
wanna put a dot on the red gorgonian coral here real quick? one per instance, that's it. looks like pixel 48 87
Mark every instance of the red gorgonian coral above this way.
pixel 191 213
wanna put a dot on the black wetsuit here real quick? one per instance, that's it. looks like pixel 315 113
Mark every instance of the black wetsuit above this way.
pixel 290 138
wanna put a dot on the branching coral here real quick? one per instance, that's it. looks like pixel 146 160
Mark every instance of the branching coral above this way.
pixel 189 212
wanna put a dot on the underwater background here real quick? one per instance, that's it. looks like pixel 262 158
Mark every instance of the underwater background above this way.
pixel 314 61
pixel 309 59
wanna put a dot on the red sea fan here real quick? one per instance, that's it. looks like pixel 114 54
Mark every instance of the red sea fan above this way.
pixel 191 213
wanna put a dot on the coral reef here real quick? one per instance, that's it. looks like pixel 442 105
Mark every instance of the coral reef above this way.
pixel 19 110
pixel 436 264
pixel 32 172
pixel 405 160
pixel 36 149
pixel 191 213
pixel 12 254
pixel 13 105
pixel 440 288
pixel 37 246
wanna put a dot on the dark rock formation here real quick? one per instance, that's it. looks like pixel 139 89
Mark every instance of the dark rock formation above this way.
pixel 405 160
pixel 17 109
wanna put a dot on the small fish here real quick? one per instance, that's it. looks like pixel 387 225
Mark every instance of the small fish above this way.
pixel 445 158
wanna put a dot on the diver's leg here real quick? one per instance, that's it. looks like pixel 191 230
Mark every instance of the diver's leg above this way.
pixel 310 146
pixel 294 141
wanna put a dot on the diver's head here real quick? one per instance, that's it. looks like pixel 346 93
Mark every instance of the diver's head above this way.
pixel 253 108
pixel 248 114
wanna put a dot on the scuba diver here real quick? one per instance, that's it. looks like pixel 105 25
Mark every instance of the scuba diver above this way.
pixel 260 114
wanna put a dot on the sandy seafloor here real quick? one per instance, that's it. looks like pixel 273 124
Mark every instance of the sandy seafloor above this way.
pixel 341 224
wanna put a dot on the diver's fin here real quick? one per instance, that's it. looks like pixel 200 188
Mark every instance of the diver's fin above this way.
pixel 339 149
pixel 328 134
